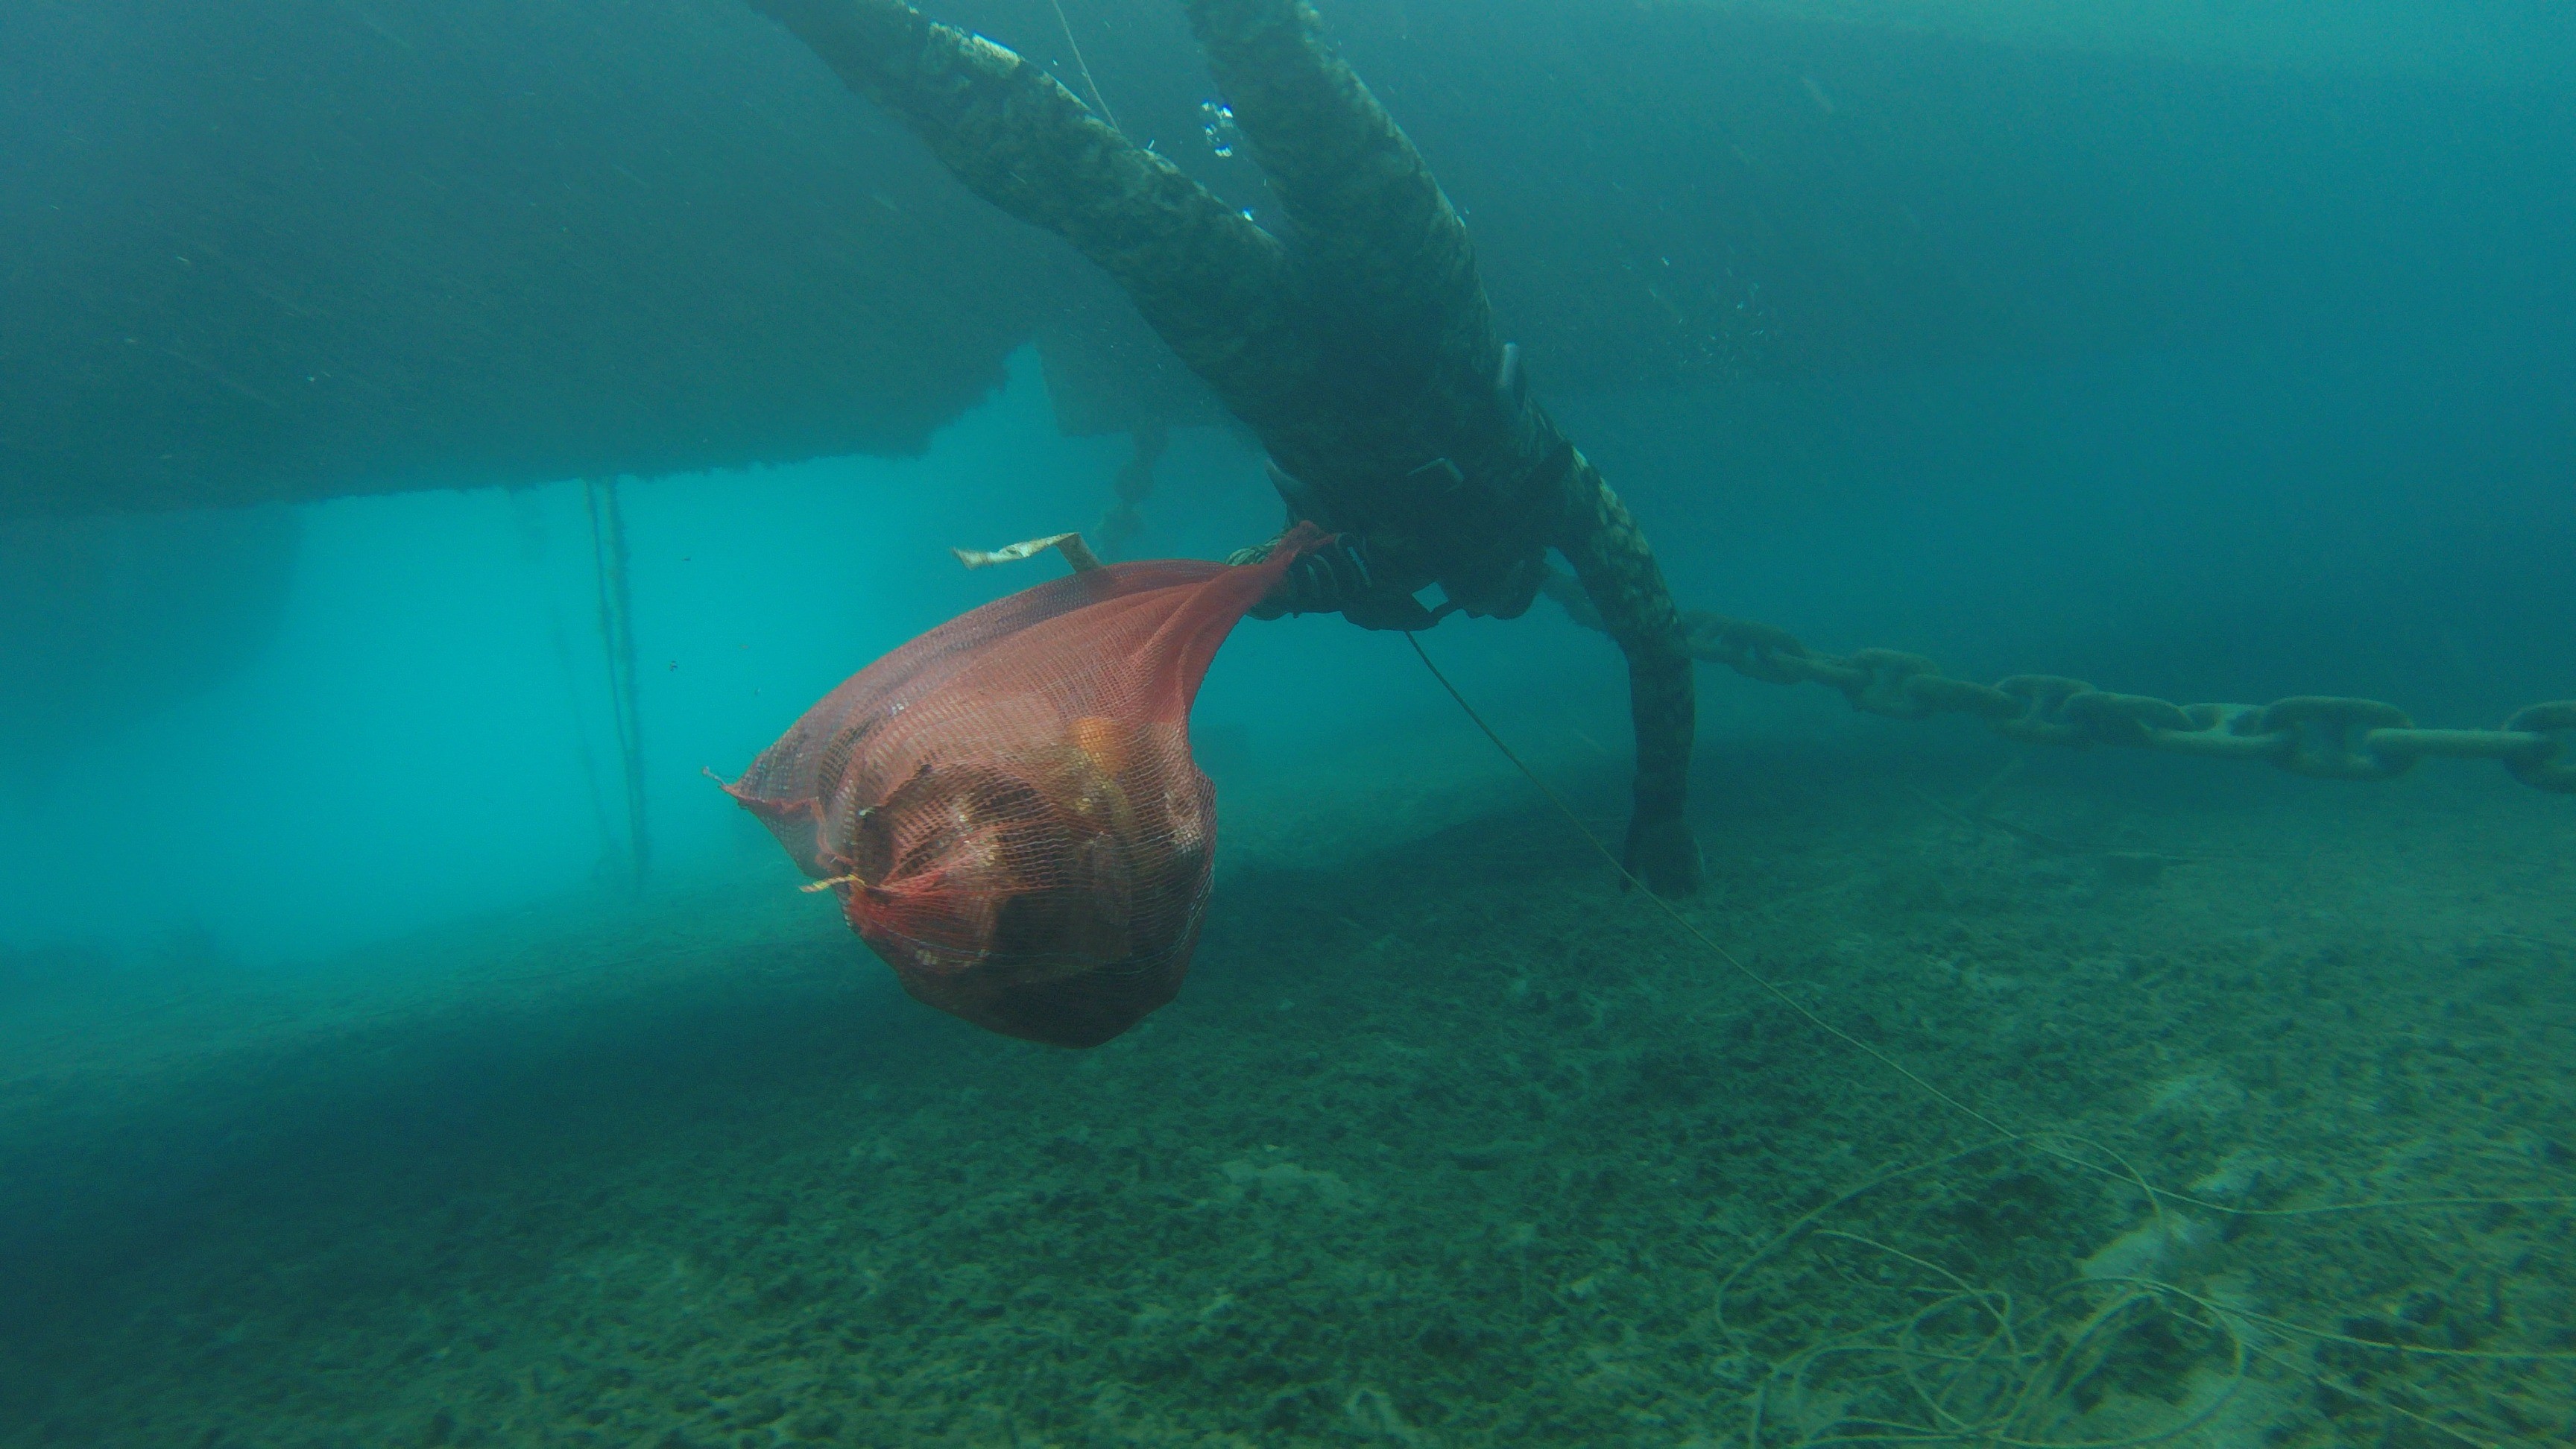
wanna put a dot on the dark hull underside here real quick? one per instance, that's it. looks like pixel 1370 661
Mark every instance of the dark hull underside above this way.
pixel 295 249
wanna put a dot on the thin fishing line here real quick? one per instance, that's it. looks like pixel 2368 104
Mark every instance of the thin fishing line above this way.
pixel 609 557
pixel 1098 102
pixel 525 511
pixel 2127 1171
pixel 1678 919
pixel 2156 1196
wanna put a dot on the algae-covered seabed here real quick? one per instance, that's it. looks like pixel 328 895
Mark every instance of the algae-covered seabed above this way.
pixel 1446 1143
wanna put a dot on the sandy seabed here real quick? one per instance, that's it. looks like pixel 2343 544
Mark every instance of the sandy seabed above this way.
pixel 1448 1142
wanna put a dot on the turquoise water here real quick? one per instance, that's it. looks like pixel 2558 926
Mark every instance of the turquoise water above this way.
pixel 356 1088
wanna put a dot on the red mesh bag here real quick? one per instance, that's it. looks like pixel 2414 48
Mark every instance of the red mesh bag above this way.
pixel 1007 806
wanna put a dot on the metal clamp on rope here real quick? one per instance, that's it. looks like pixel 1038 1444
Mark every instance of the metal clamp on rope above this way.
pixel 1337 577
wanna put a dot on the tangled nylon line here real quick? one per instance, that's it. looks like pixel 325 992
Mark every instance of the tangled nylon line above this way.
pixel 1969 1364
pixel 1098 102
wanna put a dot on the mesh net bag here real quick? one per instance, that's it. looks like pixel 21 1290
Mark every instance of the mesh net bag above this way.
pixel 1007 806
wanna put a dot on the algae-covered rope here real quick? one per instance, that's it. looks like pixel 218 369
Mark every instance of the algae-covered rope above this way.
pixel 1366 357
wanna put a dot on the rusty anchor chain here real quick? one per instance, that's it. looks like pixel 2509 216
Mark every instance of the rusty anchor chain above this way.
pixel 2317 735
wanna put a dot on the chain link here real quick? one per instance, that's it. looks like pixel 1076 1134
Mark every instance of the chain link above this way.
pixel 2319 735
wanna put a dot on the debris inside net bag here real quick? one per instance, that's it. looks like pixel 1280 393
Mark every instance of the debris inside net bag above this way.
pixel 1007 807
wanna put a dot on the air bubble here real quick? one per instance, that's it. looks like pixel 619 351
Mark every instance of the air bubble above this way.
pixel 1217 124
